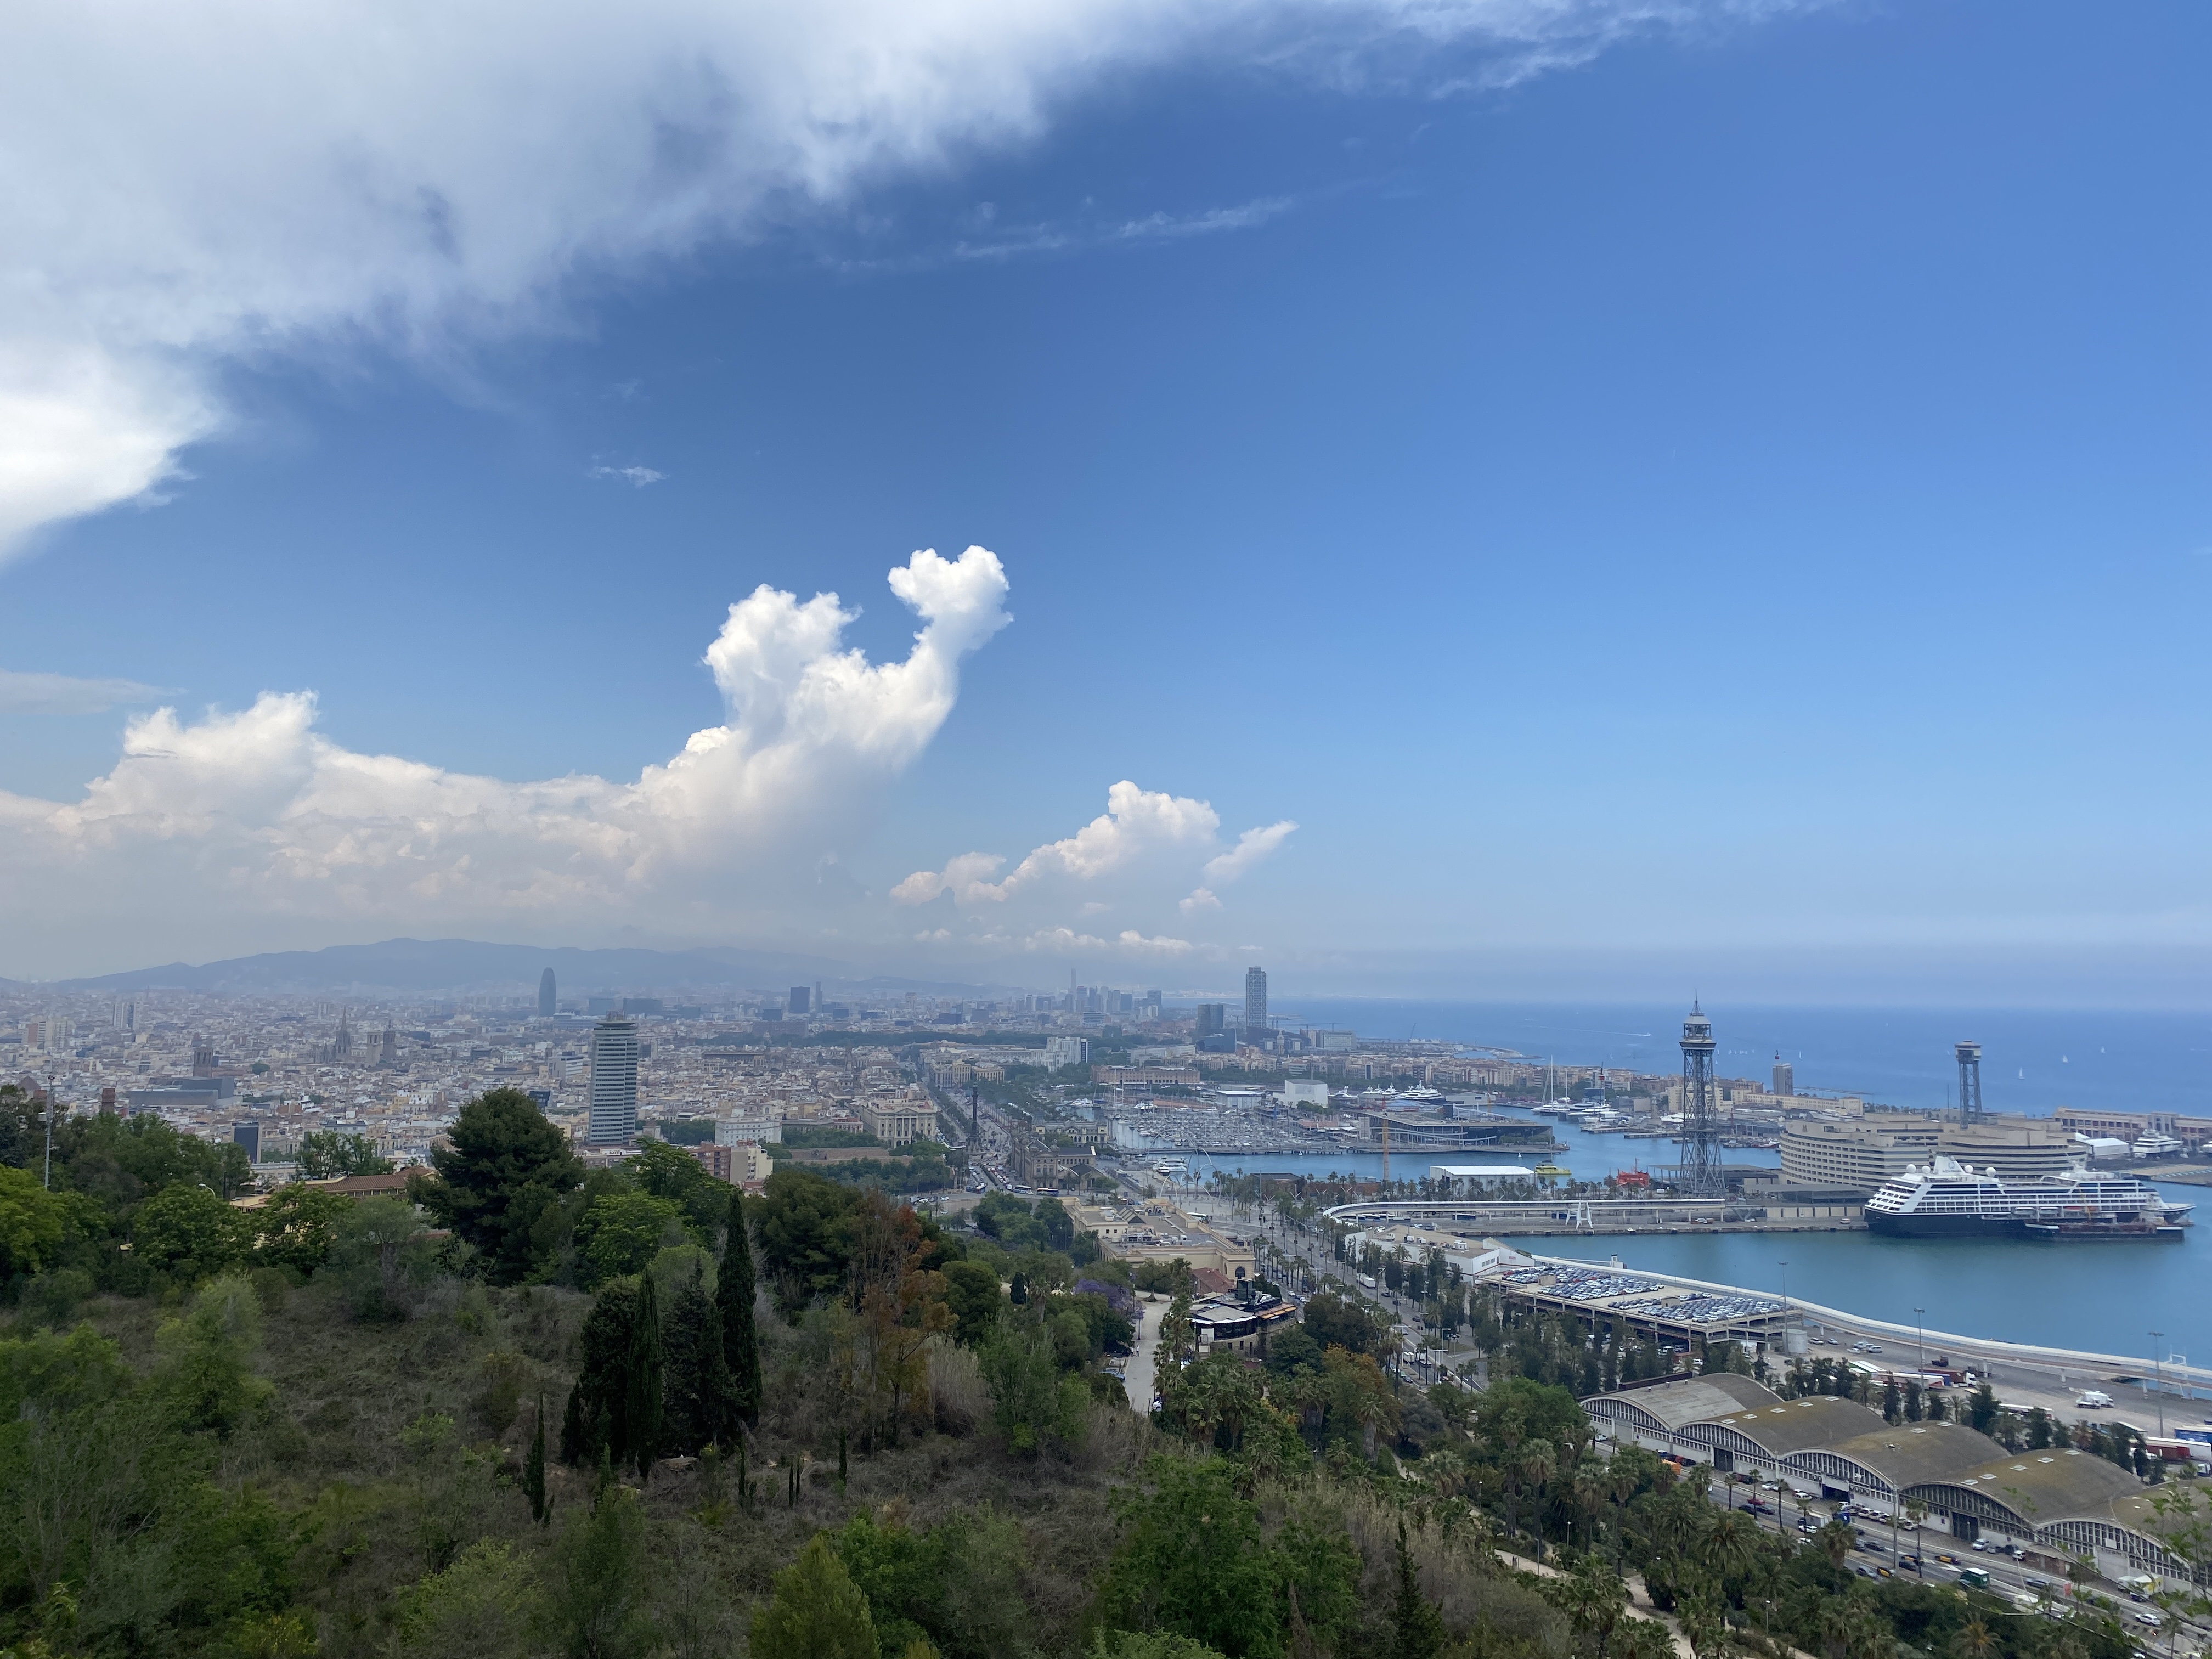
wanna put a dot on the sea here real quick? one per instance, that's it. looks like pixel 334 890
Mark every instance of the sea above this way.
pixel 2125 1298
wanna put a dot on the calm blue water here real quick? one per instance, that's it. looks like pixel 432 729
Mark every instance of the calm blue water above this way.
pixel 2033 1060
pixel 2103 1297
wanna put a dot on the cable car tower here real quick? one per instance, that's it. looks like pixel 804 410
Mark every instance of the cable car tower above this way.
pixel 1703 1175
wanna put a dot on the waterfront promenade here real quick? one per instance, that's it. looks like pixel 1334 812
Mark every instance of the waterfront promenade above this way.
pixel 2024 1374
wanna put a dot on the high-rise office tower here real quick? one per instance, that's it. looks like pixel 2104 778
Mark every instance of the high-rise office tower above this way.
pixel 613 1119
pixel 1786 1077
pixel 1256 998
pixel 546 1000
pixel 1213 1017
pixel 801 999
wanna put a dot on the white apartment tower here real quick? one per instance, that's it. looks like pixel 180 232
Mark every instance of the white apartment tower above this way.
pixel 613 1119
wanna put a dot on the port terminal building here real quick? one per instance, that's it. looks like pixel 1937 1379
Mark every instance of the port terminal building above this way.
pixel 2060 1501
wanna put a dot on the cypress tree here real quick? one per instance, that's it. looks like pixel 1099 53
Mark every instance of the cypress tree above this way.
pixel 733 1300
pixel 1417 1629
pixel 598 1405
pixel 697 1394
pixel 533 1471
pixel 641 1379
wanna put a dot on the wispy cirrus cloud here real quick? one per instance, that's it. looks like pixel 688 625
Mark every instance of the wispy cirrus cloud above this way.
pixel 638 476
pixel 23 693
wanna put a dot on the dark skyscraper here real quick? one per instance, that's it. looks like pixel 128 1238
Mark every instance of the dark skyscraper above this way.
pixel 1256 998
pixel 1213 1017
pixel 800 996
pixel 545 997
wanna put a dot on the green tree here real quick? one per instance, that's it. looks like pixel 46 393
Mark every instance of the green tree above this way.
pixel 643 1371
pixel 815 1612
pixel 1191 1560
pixel 533 1471
pixel 185 1230
pixel 621 1232
pixel 501 1181
pixel 204 1372
pixel 671 1173
pixel 33 1222
pixel 972 1290
pixel 593 1609
pixel 1033 1405
pixel 698 1398
pixel 1417 1629
pixel 297 1227
pixel 733 1298
pixel 22 1127
pixel 806 1237
pixel 1149 1645
pixel 326 1154
pixel 598 1403
pixel 478 1608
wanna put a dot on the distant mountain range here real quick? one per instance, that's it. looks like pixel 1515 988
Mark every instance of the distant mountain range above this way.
pixel 469 965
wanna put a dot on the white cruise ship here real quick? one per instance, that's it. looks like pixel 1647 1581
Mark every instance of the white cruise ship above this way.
pixel 1950 1200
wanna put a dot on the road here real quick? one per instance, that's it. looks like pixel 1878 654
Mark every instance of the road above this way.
pixel 1141 1384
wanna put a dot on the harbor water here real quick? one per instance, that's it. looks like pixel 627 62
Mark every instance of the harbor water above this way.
pixel 2106 1298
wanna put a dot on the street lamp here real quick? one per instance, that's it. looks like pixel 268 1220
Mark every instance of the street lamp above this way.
pixel 2158 1371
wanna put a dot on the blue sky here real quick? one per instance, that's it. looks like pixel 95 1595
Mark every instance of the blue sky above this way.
pixel 1734 505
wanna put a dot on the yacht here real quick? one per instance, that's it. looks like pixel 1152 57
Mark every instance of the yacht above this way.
pixel 1947 1198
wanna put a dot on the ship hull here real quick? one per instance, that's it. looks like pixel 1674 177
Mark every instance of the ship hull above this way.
pixel 1975 1226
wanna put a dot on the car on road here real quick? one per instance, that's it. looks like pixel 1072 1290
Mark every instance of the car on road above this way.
pixel 1757 1507
pixel 1911 1561
pixel 1863 1571
pixel 1947 1560
pixel 2145 1616
pixel 2093 1400
pixel 2035 1582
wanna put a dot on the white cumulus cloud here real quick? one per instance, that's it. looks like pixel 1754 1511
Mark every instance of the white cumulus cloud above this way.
pixel 218 821
pixel 1145 846
pixel 185 185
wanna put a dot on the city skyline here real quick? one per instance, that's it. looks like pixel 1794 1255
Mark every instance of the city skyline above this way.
pixel 1566 506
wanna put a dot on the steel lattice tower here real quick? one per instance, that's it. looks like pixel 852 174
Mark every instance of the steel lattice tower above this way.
pixel 1703 1175
pixel 1970 1081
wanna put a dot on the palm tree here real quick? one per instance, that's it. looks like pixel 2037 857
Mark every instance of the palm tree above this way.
pixel 1975 1641
pixel 1538 1464
pixel 1837 1538
pixel 1730 1546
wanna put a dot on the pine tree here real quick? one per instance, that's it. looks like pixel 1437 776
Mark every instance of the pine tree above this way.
pixel 734 1299
pixel 642 1375
pixel 1417 1628
pixel 817 1612
pixel 533 1471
